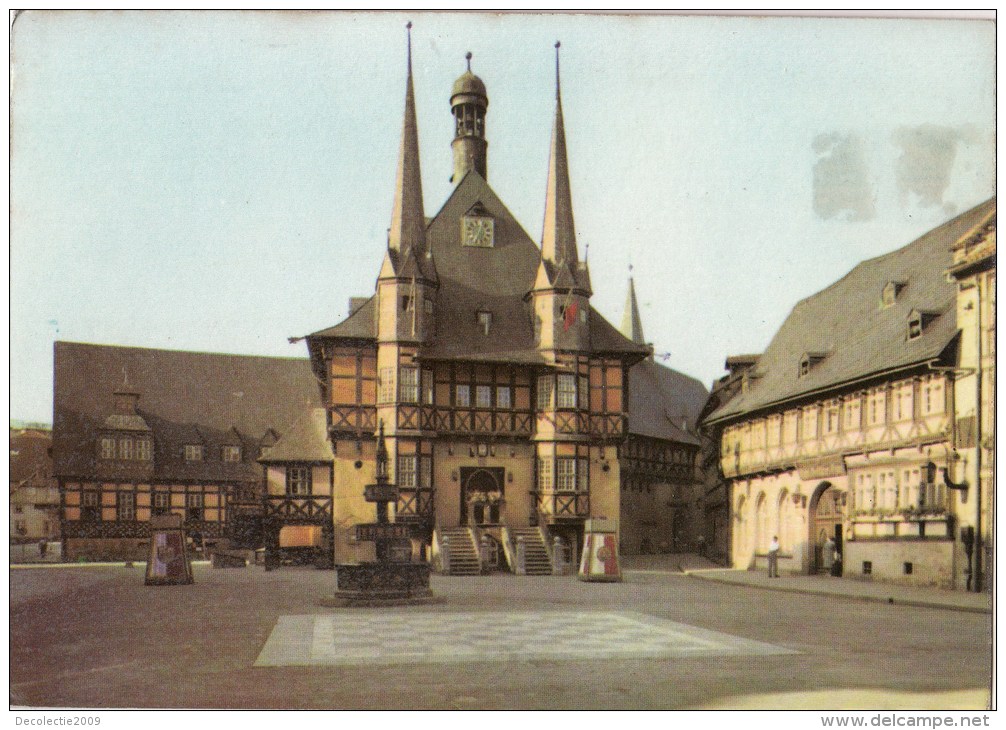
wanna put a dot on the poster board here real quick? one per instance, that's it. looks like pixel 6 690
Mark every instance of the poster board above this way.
pixel 168 561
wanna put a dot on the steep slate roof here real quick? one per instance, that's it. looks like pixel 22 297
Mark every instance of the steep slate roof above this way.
pixel 185 398
pixel 306 440
pixel 360 324
pixel 490 279
pixel 30 460
pixel 661 399
pixel 472 279
pixel 860 337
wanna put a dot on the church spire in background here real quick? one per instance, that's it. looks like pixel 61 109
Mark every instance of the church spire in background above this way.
pixel 632 324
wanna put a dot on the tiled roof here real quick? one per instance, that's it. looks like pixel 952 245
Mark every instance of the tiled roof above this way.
pixel 662 401
pixel 862 338
pixel 360 324
pixel 474 279
pixel 306 440
pixel 30 460
pixel 185 398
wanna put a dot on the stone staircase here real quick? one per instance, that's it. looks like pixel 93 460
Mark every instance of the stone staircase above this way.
pixel 463 556
pixel 537 561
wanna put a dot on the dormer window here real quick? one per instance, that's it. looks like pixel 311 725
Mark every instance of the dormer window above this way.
pixel 193 452
pixel 889 294
pixel 485 320
pixel 230 453
pixel 126 448
pixel 918 321
pixel 809 360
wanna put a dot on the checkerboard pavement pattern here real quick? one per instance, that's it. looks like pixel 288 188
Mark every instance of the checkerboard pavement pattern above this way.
pixel 359 637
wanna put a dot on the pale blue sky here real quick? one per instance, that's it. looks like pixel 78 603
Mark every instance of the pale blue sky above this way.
pixel 221 181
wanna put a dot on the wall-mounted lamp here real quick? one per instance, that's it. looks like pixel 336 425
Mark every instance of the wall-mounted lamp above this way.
pixel 509 477
pixel 513 452
pixel 450 449
pixel 454 475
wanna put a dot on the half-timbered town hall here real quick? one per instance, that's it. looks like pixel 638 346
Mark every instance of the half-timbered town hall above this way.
pixel 503 393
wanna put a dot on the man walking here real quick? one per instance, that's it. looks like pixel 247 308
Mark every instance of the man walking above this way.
pixel 773 558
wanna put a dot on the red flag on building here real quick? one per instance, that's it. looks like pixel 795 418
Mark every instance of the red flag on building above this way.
pixel 570 316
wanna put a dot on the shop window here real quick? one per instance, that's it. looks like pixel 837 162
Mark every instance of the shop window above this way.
pixel 90 506
pixel 194 507
pixel 162 503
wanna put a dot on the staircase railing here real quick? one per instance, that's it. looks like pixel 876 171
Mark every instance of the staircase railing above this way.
pixel 548 545
pixel 509 551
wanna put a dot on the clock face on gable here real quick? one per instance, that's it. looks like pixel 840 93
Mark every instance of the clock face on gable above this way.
pixel 477 230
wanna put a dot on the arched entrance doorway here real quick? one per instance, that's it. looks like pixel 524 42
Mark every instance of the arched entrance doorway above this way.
pixel 481 495
pixel 827 513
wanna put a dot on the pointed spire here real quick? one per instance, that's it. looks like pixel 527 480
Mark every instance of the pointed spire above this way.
pixel 558 239
pixel 408 222
pixel 632 324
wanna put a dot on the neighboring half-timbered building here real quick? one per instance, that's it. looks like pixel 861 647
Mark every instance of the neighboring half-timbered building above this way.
pixel 662 497
pixel 859 426
pixel 140 432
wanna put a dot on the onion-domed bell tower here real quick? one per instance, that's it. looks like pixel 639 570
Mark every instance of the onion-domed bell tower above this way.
pixel 469 103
